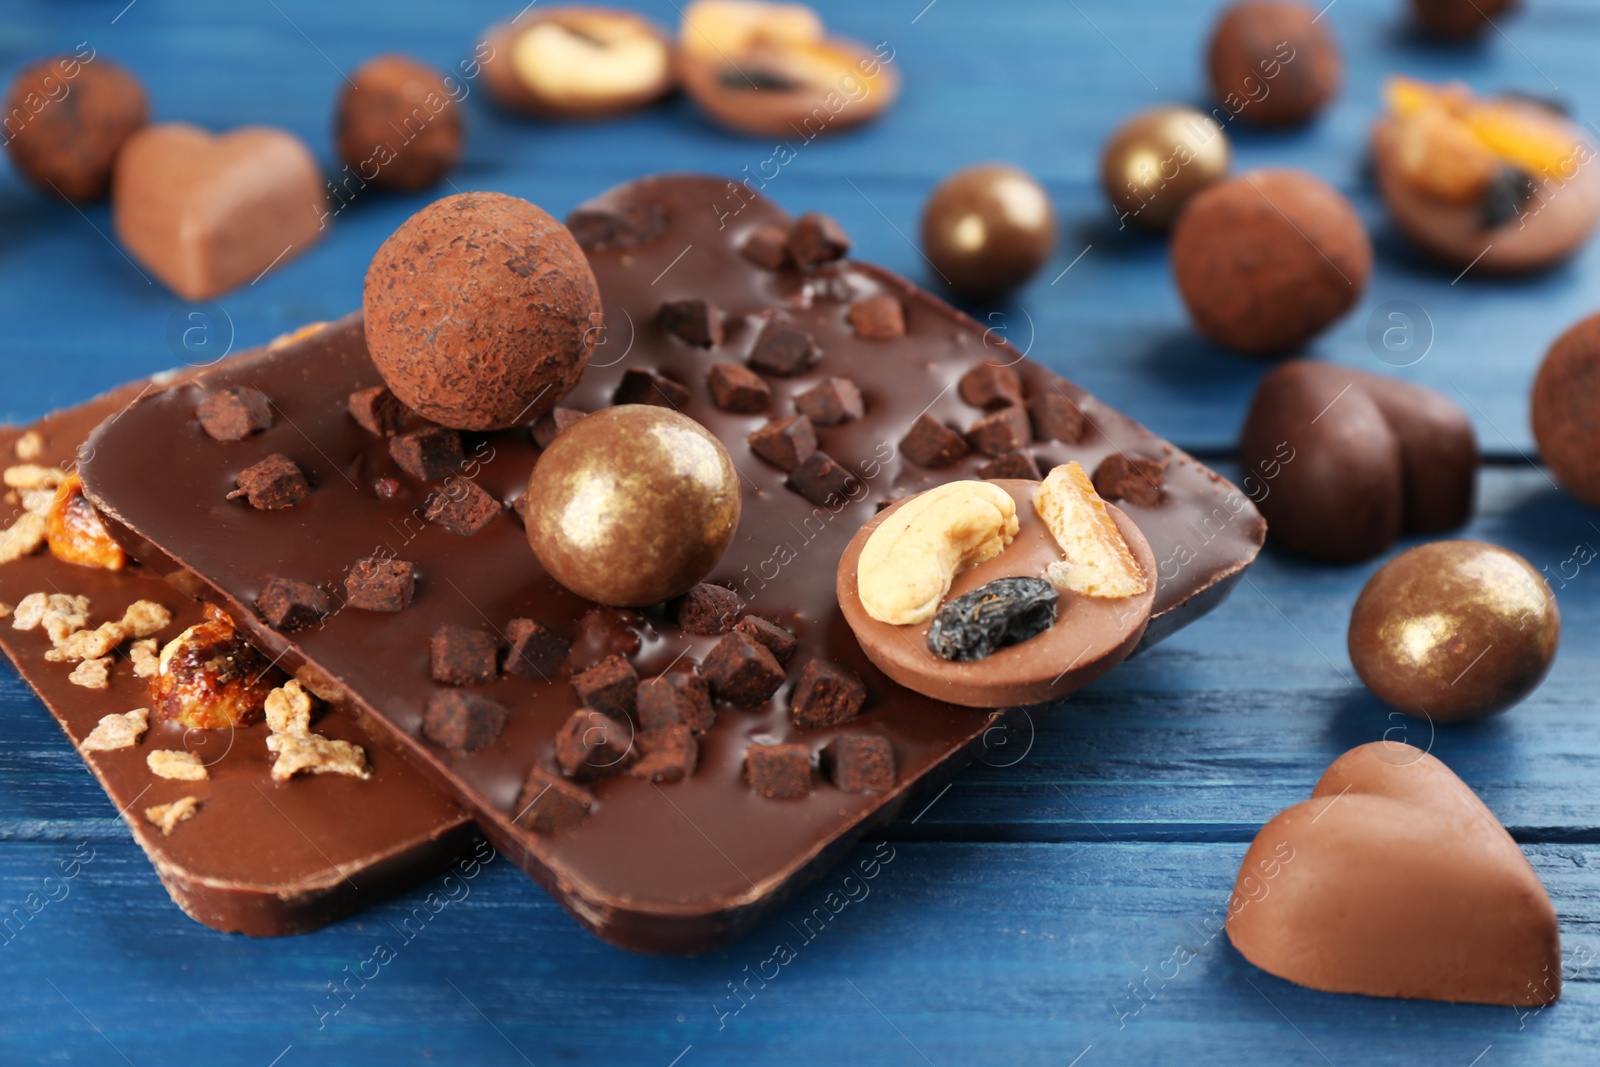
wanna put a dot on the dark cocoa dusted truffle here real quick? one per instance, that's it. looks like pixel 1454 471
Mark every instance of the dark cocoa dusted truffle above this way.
pixel 481 311
pixel 1342 462
pixel 632 505
pixel 1566 400
pixel 1454 630
pixel 1274 62
pixel 398 123
pixel 988 229
pixel 1270 259
pixel 65 119
pixel 1456 20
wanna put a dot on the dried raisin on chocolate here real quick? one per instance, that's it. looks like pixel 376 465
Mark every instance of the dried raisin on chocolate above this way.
pixel 1007 611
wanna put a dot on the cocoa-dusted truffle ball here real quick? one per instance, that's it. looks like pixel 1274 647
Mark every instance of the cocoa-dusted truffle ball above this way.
pixel 1456 20
pixel 1274 62
pixel 1566 400
pixel 988 229
pixel 398 125
pixel 66 117
pixel 481 311
pixel 632 505
pixel 1270 259
pixel 1454 630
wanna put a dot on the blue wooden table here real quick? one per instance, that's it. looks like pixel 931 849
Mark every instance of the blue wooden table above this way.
pixel 1012 920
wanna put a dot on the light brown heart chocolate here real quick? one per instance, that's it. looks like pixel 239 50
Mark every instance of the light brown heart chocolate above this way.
pixel 205 213
pixel 1395 880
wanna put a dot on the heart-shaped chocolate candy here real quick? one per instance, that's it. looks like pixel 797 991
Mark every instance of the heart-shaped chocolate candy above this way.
pixel 206 213
pixel 1395 880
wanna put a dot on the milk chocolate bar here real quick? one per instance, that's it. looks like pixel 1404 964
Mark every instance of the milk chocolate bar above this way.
pixel 257 856
pixel 649 853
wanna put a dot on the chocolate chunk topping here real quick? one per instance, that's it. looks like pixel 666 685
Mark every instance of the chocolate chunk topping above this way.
pixel 536 650
pixel 593 745
pixel 1131 477
pixel 860 763
pixel 767 247
pixel 674 698
pixel 288 604
pixel 779 772
pixel 462 506
pixel 821 480
pixel 377 411
pixel 742 672
pixel 696 321
pixel 549 803
pixel 380 584
pixel 1056 418
pixel 785 443
pixel 780 642
pixel 738 389
pixel 610 686
pixel 666 755
pixel 1007 611
pixel 930 443
pixel 831 402
pixel 784 350
pixel 460 655
pixel 826 695
pixel 878 318
pixel 461 721
pixel 271 485
pixel 647 387
pixel 990 386
pixel 816 239
pixel 547 427
pixel 235 413
pixel 1000 432
pixel 427 454
pixel 708 609
pixel 634 226
pixel 1011 465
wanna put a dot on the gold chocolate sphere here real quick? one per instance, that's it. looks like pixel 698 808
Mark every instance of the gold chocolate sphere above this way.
pixel 632 505
pixel 988 229
pixel 1454 630
pixel 1159 159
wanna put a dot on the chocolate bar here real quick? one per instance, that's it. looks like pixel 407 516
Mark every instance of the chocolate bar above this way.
pixel 257 856
pixel 675 866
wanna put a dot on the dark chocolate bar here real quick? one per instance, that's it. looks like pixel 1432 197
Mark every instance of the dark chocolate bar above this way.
pixel 258 857
pixel 652 865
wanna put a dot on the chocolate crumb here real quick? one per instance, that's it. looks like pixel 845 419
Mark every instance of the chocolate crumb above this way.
pixel 826 695
pixel 678 697
pixel 784 350
pixel 380 584
pixel 779 772
pixel 549 803
pixel 592 745
pixel 930 443
pixel 288 604
pixel 1011 465
pixel 742 671
pixel 822 480
pixel 785 443
pixel 536 650
pixel 878 318
pixel 271 485
pixel 1132 478
pixel 1056 418
pixel 460 655
pixel 738 389
pixel 666 755
pixel 697 321
pixel 377 411
pixel 831 402
pixel 816 239
pixel 767 247
pixel 779 641
pixel 634 226
pixel 462 506
pixel 235 413
pixel 610 686
pixel 708 609
pixel 640 386
pixel 547 427
pixel 427 454
pixel 1000 432
pixel 462 721
pixel 860 763
pixel 990 386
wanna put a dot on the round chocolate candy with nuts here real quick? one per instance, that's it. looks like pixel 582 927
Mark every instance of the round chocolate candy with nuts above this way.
pixel 398 125
pixel 1454 630
pixel 1274 62
pixel 66 117
pixel 481 311
pixel 632 505
pixel 988 229
pixel 577 62
pixel 1268 260
pixel 1158 160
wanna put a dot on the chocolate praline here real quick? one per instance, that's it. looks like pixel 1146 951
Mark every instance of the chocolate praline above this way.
pixel 66 118
pixel 1268 260
pixel 398 124
pixel 1454 630
pixel 1566 396
pixel 988 229
pixel 481 311
pixel 1342 462
pixel 1274 62
pixel 1157 161
pixel 1459 19
pixel 632 505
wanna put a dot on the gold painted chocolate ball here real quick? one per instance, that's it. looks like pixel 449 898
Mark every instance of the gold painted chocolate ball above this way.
pixel 988 229
pixel 632 505
pixel 1454 630
pixel 1158 160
